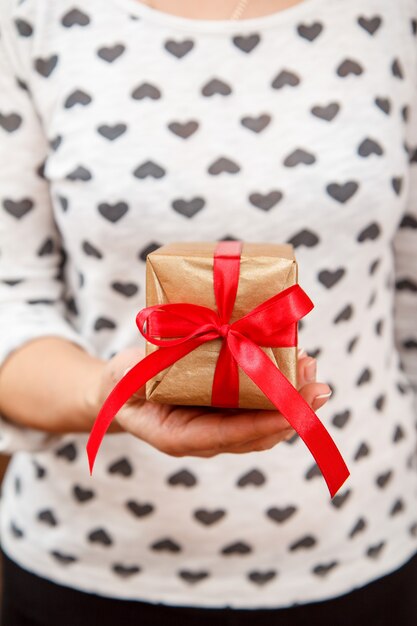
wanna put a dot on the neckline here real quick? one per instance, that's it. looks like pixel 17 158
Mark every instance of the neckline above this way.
pixel 144 11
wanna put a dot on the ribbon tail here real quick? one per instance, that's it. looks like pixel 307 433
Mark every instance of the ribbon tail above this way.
pixel 259 367
pixel 137 376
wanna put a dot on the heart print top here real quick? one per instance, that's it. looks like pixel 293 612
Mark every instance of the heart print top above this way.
pixel 123 128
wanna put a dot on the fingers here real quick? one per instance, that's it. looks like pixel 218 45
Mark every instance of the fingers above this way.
pixel 249 426
pixel 194 431
pixel 307 373
pixel 306 368
pixel 263 443
pixel 207 431
pixel 315 394
pixel 311 394
pixel 256 445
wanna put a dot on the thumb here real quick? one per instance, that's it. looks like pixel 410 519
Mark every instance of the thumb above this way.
pixel 315 394
pixel 124 361
pixel 140 393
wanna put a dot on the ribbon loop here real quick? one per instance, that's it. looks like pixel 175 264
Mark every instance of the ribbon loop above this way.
pixel 273 323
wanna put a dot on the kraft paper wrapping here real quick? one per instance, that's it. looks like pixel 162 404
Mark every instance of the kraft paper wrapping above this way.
pixel 183 272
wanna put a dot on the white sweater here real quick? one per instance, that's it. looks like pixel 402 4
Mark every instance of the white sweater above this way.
pixel 123 128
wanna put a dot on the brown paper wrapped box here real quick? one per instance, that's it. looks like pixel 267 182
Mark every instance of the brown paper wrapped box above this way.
pixel 183 272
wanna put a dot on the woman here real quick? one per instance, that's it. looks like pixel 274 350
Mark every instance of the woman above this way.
pixel 126 126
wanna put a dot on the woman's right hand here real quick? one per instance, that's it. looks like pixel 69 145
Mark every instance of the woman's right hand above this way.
pixel 180 430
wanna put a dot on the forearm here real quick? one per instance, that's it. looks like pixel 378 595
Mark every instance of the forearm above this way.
pixel 49 384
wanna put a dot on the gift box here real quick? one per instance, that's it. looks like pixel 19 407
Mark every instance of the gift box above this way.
pixel 221 330
pixel 183 272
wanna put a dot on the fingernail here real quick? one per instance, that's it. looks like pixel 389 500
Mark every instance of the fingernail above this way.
pixel 311 371
pixel 126 371
pixel 323 396
pixel 301 352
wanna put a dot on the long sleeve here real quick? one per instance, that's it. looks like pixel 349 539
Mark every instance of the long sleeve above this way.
pixel 31 288
pixel 405 256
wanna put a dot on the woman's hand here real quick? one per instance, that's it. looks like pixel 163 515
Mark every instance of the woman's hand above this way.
pixel 202 431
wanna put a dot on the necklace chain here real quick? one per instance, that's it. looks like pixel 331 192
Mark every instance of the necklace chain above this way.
pixel 236 13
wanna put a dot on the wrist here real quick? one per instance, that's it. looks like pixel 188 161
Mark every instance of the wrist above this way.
pixel 89 400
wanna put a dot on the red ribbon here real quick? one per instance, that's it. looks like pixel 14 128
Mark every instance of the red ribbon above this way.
pixel 272 323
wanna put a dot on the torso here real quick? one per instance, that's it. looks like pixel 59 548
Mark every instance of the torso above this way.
pixel 216 9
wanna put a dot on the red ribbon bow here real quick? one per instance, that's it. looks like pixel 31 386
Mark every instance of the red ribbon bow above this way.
pixel 272 323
